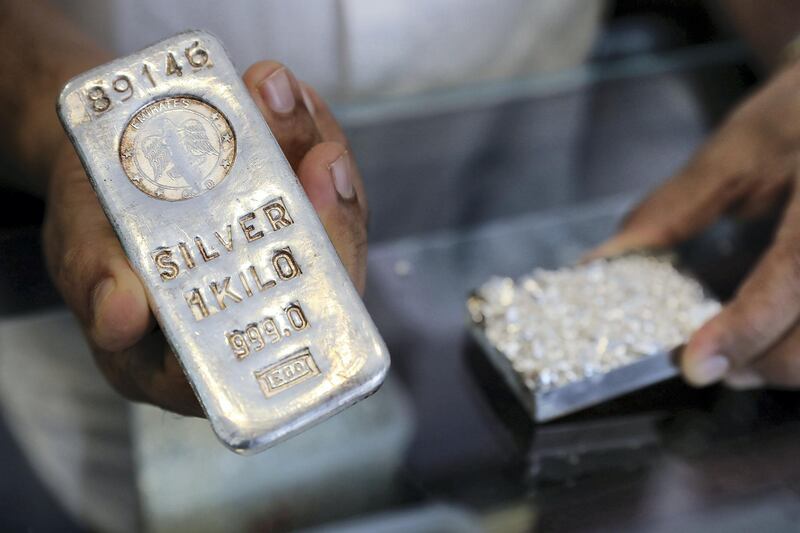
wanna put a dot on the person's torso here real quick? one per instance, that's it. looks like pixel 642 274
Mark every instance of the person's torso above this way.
pixel 351 48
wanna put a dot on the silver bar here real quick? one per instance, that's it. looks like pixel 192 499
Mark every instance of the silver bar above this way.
pixel 648 363
pixel 240 274
pixel 544 406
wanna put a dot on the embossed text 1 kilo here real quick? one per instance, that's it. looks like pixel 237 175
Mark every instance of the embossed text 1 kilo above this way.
pixel 240 274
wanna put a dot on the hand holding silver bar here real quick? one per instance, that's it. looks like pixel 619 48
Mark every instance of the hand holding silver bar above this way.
pixel 240 274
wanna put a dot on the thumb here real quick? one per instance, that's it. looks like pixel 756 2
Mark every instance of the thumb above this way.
pixel 678 209
pixel 88 264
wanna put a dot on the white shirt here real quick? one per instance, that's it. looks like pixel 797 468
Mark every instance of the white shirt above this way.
pixel 352 48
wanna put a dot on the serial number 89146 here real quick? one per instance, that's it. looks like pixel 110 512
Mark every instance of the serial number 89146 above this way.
pixel 102 96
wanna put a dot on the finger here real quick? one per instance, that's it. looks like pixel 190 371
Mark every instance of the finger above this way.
pixel 331 131
pixel 277 94
pixel 779 366
pixel 88 265
pixel 328 174
pixel 679 208
pixel 768 195
pixel 149 372
pixel 763 310
pixel 327 124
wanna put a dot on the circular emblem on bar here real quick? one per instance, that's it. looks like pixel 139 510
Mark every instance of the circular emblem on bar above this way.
pixel 177 148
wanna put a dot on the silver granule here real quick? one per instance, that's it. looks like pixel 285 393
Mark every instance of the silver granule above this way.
pixel 561 326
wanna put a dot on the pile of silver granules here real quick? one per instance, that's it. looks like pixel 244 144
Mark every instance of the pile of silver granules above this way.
pixel 561 326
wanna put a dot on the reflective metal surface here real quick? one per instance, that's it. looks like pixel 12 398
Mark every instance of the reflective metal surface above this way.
pixel 579 335
pixel 241 276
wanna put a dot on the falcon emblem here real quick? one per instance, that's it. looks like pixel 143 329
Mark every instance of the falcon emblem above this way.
pixel 194 138
pixel 157 153
pixel 177 146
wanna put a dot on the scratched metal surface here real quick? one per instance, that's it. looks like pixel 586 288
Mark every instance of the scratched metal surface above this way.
pixel 259 384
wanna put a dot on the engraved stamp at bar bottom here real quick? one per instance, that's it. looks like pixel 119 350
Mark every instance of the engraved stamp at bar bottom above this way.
pixel 287 372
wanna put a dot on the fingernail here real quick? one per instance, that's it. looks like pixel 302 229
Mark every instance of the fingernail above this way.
pixel 309 103
pixel 708 370
pixel 340 173
pixel 744 379
pixel 100 293
pixel 277 92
